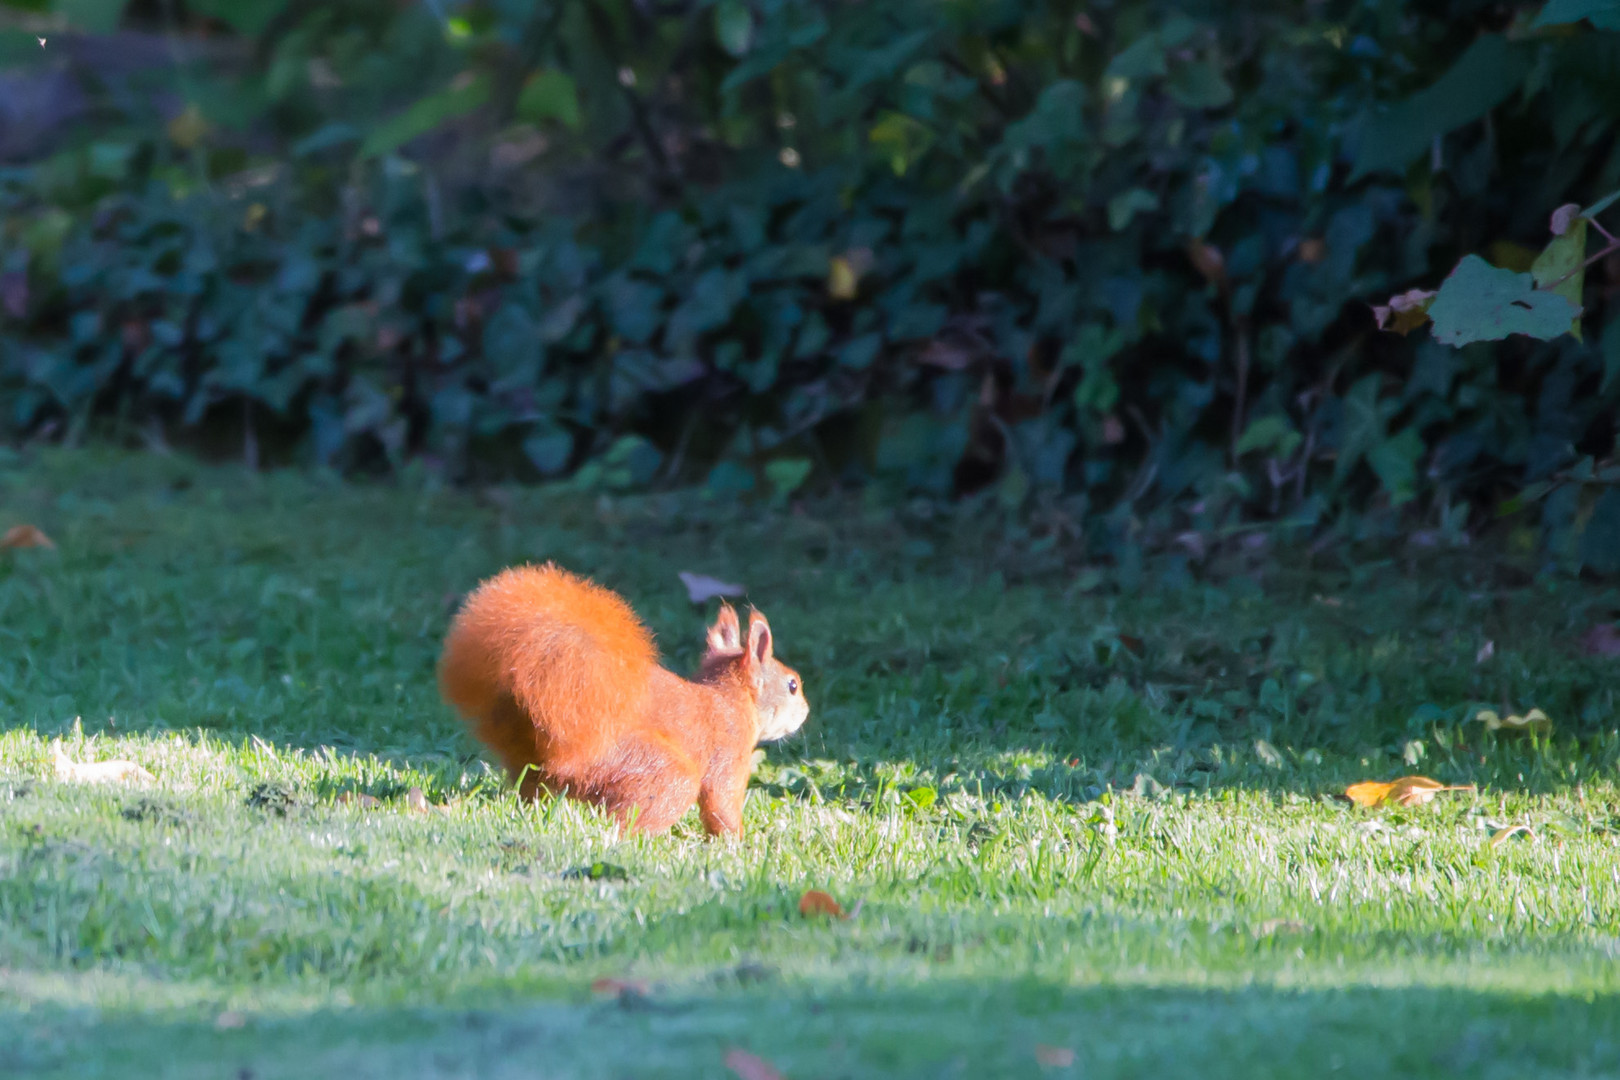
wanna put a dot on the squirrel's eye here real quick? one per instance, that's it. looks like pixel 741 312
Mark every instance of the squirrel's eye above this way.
pixel 793 686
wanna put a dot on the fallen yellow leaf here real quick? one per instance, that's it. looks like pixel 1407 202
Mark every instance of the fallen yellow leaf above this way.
pixel 1407 791
pixel 93 771
pixel 1534 722
pixel 25 536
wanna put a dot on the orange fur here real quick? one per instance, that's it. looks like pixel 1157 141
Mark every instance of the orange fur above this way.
pixel 558 677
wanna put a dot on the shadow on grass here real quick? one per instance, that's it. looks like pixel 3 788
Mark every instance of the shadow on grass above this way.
pixel 835 1028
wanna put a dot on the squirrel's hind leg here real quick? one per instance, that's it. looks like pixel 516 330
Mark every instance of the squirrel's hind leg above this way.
pixel 649 783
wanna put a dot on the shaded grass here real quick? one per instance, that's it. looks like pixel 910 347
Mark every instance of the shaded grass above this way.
pixel 1088 818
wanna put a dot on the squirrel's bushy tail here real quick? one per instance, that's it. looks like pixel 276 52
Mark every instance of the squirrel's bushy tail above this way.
pixel 546 665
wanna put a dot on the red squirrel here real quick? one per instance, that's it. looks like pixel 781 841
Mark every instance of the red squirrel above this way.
pixel 557 676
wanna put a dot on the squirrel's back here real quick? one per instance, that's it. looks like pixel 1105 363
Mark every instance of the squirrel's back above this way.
pixel 547 663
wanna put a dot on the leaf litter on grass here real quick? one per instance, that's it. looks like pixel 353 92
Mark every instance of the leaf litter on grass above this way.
pixel 94 771
pixel 1018 882
pixel 747 1066
pixel 24 536
pixel 1534 722
pixel 1407 791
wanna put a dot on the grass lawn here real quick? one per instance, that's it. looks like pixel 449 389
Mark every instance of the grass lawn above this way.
pixel 1090 830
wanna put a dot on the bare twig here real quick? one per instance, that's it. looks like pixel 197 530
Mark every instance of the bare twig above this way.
pixel 638 108
pixel 1240 330
pixel 1613 247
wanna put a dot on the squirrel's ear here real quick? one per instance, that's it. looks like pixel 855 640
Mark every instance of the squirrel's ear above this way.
pixel 725 636
pixel 759 637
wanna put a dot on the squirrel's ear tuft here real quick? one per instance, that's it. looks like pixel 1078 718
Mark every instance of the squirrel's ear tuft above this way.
pixel 725 636
pixel 759 637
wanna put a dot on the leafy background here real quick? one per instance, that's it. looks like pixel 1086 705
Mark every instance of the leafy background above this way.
pixel 1105 267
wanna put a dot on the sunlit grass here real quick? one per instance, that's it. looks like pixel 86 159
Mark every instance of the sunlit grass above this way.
pixel 1056 836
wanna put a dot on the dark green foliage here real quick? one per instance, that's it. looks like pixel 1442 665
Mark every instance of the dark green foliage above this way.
pixel 1112 259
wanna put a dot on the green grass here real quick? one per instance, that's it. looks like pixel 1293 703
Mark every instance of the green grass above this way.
pixel 1054 841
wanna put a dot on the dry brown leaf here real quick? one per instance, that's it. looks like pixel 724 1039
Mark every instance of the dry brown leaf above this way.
pixel 25 536
pixel 1602 640
pixel 751 1066
pixel 1563 218
pixel 1208 261
pixel 1405 312
pixel 946 355
pixel 1054 1057
pixel 1407 791
pixel 701 588
pixel 815 902
pixel 417 802
pixel 1502 836
pixel 1534 722
pixel 93 771
pixel 359 799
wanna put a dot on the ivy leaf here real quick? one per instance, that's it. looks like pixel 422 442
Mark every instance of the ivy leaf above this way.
pixel 549 95
pixel 1200 86
pixel 1141 59
pixel 1600 540
pixel 635 307
pixel 1363 425
pixel 1395 461
pixel 734 26
pixel 549 453
pixel 424 115
pixel 787 475
pixel 1481 79
pixel 246 17
pixel 1604 14
pixel 1124 207
pixel 1479 302
pixel 1273 433
pixel 92 16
